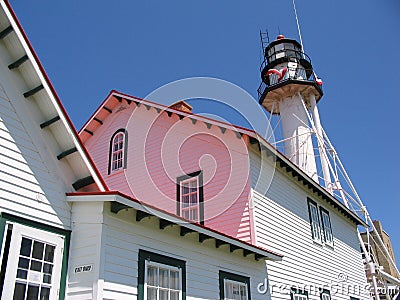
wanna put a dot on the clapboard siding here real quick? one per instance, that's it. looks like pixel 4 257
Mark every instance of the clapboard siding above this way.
pixel 123 237
pixel 111 242
pixel 85 248
pixel 32 185
pixel 163 148
pixel 282 224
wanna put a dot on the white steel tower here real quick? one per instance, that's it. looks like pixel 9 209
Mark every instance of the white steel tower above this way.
pixel 288 82
pixel 290 90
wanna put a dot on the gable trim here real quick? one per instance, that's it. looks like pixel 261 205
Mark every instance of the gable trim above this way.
pixel 16 27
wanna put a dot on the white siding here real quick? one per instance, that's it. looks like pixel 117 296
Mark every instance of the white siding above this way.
pixel 122 238
pixel 85 249
pixel 32 185
pixel 282 225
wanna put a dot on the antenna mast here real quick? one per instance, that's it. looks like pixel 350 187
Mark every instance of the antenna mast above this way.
pixel 298 26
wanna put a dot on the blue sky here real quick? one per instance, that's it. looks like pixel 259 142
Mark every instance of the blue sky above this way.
pixel 91 47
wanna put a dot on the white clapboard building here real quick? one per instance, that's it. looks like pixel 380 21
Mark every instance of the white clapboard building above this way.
pixel 68 232
pixel 55 246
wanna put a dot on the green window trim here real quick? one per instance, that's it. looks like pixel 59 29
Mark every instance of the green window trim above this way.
pixel 5 217
pixel 162 259
pixel 234 277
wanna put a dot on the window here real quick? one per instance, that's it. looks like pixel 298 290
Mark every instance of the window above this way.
pixel 190 199
pixel 297 294
pixel 326 226
pixel 325 295
pixel 32 269
pixel 314 220
pixel 233 286
pixel 161 277
pixel 321 228
pixel 117 155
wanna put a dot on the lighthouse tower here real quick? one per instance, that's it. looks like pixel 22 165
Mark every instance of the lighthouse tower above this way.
pixel 291 89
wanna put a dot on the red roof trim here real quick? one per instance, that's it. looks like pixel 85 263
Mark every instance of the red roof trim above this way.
pixel 74 132
pixel 116 193
pixel 165 107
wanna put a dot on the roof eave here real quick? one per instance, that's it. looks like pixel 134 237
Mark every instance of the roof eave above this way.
pixel 125 201
pixel 52 95
pixel 291 168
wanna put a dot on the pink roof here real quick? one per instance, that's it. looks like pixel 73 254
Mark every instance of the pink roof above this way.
pixel 115 97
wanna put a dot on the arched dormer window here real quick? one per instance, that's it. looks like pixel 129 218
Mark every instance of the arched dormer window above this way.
pixel 118 147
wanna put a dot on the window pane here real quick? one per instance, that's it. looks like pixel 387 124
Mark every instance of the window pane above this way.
pixel 193 215
pixel 185 189
pixel 193 199
pixel 315 222
pixel 236 291
pixel 228 290
pixel 49 253
pixel 47 278
pixel 174 280
pixel 33 292
pixel 38 250
pixel 164 278
pixel 23 263
pixel 174 296
pixel 152 276
pixel 26 245
pixel 23 274
pixel 327 227
pixel 44 293
pixel 36 265
pixel 19 291
pixel 48 268
pixel 243 292
pixel 151 293
pixel 185 201
pixel 186 214
pixel 163 295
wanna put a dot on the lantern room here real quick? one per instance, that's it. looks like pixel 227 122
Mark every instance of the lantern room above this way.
pixel 286 64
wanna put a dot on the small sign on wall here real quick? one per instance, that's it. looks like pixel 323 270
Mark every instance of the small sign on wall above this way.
pixel 83 269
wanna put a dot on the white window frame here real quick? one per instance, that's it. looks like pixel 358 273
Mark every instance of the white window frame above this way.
pixel 163 266
pixel 18 232
pixel 240 284
pixel 190 206
pixel 118 155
